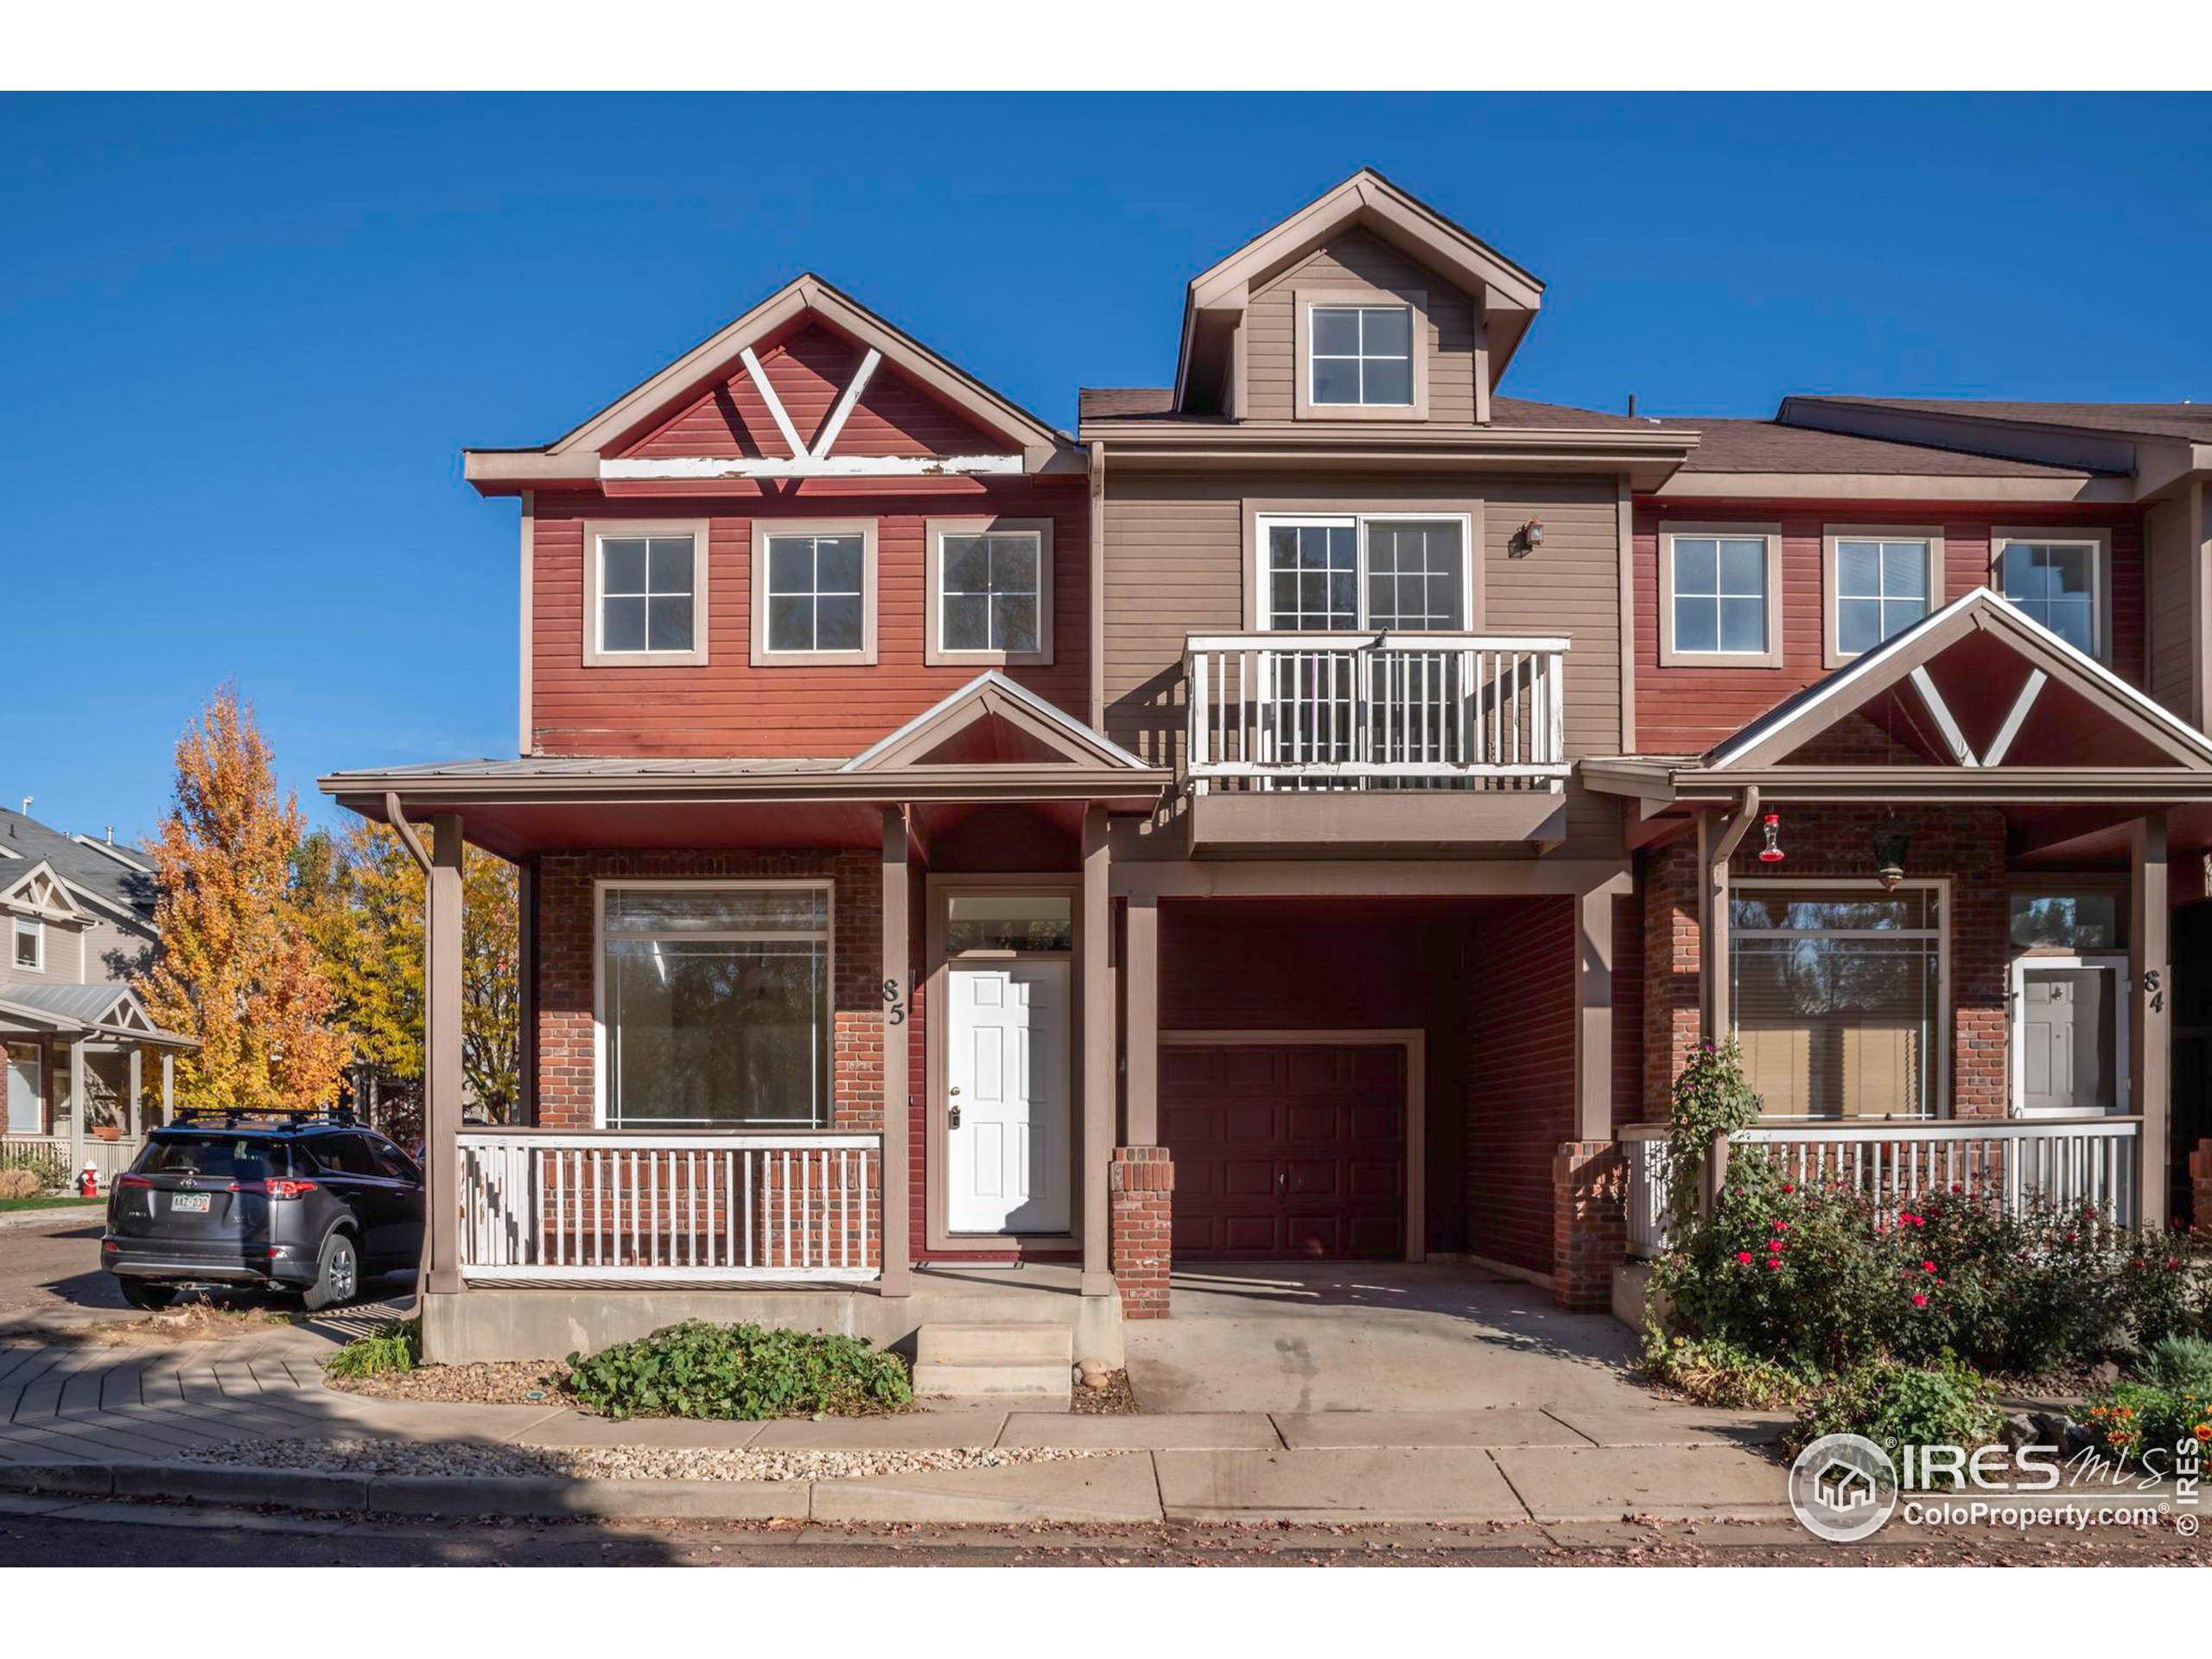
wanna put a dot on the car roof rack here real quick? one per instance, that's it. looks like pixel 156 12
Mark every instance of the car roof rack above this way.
pixel 235 1118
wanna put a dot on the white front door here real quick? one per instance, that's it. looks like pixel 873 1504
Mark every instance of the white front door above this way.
pixel 2069 1036
pixel 1007 1081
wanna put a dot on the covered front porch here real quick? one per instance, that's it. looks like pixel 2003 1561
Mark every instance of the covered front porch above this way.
pixel 739 981
pixel 88 1075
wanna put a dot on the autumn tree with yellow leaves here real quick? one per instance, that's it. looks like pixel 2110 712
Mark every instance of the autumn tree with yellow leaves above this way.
pixel 237 968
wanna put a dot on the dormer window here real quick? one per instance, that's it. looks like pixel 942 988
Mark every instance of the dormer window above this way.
pixel 1363 355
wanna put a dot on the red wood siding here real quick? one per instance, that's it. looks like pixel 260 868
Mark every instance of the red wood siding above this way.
pixel 810 370
pixel 727 707
pixel 1688 711
pixel 1520 1096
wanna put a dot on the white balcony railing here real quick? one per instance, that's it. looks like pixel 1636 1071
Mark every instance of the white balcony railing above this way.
pixel 2091 1161
pixel 547 1205
pixel 1369 710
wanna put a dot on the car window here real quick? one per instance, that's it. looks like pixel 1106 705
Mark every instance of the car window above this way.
pixel 392 1162
pixel 216 1157
pixel 346 1155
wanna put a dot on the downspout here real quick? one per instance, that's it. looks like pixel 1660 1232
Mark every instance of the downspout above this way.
pixel 1713 882
pixel 405 832
pixel 1097 586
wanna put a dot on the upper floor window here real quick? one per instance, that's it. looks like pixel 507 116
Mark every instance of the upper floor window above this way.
pixel 1880 581
pixel 30 945
pixel 647 599
pixel 990 591
pixel 1337 574
pixel 814 592
pixel 1361 353
pixel 1720 594
pixel 2058 578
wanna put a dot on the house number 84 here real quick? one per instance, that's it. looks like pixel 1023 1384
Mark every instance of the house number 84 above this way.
pixel 2156 994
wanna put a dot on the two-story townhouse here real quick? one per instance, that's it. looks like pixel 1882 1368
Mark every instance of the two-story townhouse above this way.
pixel 1306 816
pixel 86 1069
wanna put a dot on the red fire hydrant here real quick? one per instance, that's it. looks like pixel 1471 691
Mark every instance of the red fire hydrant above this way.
pixel 88 1183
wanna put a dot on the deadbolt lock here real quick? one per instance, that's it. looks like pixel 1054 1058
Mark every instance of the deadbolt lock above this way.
pixel 952 1116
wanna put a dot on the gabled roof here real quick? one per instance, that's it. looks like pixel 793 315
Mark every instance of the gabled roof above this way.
pixel 111 1009
pixel 105 876
pixel 2156 735
pixel 1509 295
pixel 722 353
pixel 1030 730
pixel 39 889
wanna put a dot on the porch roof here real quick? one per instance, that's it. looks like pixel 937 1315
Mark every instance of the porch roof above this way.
pixel 112 1011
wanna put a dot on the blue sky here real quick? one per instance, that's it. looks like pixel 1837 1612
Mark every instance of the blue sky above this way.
pixel 243 340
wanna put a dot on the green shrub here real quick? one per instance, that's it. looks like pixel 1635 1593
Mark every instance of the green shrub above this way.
pixel 1721 1374
pixel 1711 1099
pixel 1896 1405
pixel 50 1167
pixel 2138 1422
pixel 396 1345
pixel 2178 1364
pixel 698 1370
pixel 2157 1288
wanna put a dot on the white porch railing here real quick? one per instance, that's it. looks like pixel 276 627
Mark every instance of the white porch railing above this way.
pixel 50 1155
pixel 549 1205
pixel 2084 1160
pixel 1368 710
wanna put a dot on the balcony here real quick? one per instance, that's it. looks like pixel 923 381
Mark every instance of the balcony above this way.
pixel 1379 740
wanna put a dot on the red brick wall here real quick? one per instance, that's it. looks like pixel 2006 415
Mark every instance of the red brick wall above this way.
pixel 1140 1184
pixel 1589 1223
pixel 1520 1099
pixel 1965 843
pixel 1686 711
pixel 566 966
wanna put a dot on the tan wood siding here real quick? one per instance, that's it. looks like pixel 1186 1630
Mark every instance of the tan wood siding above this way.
pixel 1175 566
pixel 2168 573
pixel 1357 259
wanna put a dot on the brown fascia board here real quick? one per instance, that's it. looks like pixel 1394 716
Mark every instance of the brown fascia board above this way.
pixel 364 792
pixel 1648 458
pixel 1511 295
pixel 1041 444
pixel 1925 785
pixel 2038 487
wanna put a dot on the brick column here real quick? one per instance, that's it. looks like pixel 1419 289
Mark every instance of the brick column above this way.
pixel 1141 1182
pixel 1589 1223
pixel 2199 1186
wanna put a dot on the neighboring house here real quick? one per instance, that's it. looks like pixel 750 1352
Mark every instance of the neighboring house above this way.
pixel 1311 813
pixel 79 915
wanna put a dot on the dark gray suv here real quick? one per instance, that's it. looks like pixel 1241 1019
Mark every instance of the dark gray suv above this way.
pixel 295 1201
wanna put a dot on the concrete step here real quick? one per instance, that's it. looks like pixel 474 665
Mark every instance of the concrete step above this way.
pixel 1028 1363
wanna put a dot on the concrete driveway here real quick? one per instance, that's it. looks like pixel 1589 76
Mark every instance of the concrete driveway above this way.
pixel 1285 1337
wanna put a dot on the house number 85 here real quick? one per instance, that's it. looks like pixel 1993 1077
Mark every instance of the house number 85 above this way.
pixel 895 1009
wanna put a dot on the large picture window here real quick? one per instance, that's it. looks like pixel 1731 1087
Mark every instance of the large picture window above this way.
pixel 1838 996
pixel 716 1004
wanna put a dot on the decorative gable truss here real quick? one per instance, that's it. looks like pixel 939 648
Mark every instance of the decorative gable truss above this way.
pixel 39 892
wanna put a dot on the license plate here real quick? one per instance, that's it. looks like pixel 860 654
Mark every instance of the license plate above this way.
pixel 192 1203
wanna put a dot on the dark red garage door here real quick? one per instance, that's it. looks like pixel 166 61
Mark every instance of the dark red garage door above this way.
pixel 1287 1150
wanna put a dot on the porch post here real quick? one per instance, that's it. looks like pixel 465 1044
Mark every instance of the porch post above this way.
pixel 168 1086
pixel 1140 984
pixel 898 1005
pixel 1593 1042
pixel 442 1033
pixel 2150 1025
pixel 76 1110
pixel 1099 1069
pixel 135 1124
pixel 1712 928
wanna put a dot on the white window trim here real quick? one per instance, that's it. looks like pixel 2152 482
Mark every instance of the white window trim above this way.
pixel 595 656
pixel 1671 656
pixel 827 934
pixel 35 928
pixel 2115 962
pixel 1262 604
pixel 2099 542
pixel 1304 300
pixel 1944 1034
pixel 934 651
pixel 1832 653
pixel 766 529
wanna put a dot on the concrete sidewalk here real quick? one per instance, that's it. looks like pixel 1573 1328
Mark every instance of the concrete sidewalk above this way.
pixel 98 1422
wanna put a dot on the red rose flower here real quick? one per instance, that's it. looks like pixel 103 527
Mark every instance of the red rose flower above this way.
pixel 1919 1300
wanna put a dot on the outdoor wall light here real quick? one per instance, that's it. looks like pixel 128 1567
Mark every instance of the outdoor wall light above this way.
pixel 1532 534
pixel 1770 828
pixel 1890 847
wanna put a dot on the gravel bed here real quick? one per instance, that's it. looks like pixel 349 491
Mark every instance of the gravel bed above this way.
pixel 609 1462
pixel 487 1382
pixel 1116 1399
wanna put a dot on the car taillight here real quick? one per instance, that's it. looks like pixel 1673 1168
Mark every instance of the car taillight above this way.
pixel 132 1180
pixel 278 1189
